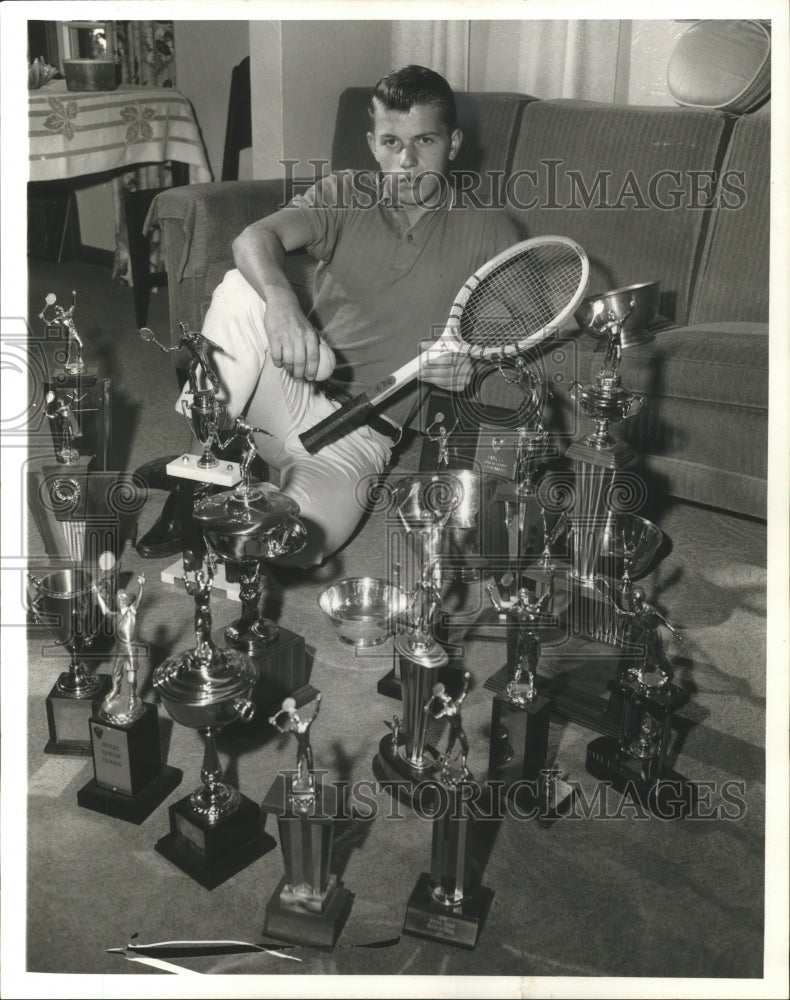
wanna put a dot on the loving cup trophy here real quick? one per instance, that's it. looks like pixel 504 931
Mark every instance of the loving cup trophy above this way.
pixel 215 831
pixel 64 602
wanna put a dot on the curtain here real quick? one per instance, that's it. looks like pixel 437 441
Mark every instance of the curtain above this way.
pixel 569 59
pixel 442 46
pixel 146 54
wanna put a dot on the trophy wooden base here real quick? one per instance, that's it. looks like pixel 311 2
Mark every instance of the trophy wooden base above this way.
pixel 390 685
pixel 457 925
pixel 129 780
pixel 69 719
pixel 290 922
pixel 131 808
pixel 283 671
pixel 212 854
pixel 670 796
pixel 415 787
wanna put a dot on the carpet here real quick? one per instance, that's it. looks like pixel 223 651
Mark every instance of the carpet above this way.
pixel 611 893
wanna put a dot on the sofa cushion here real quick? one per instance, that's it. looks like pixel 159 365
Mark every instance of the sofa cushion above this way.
pixel 628 183
pixel 732 283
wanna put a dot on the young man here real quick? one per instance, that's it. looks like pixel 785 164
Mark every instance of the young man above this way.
pixel 393 249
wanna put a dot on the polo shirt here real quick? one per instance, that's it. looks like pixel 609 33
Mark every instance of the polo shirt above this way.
pixel 382 285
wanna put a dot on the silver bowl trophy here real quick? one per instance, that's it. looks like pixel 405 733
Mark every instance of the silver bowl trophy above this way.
pixel 216 830
pixel 308 906
pixel 365 610
pixel 129 780
pixel 64 602
pixel 244 528
pixel 204 413
pixel 406 759
pixel 446 904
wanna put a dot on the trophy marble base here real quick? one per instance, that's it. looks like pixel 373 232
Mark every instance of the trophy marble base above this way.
pixel 211 854
pixel 457 925
pixel 222 587
pixel 669 796
pixel 129 779
pixel 224 474
pixel 69 718
pixel 289 922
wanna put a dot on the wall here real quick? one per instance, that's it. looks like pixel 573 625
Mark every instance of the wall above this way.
pixel 299 69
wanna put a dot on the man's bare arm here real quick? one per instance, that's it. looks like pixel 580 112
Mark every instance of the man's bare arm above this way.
pixel 259 253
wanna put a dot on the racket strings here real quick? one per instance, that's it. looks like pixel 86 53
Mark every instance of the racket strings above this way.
pixel 521 296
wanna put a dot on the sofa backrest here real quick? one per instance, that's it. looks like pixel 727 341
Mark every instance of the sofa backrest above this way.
pixel 627 182
pixel 489 123
pixel 732 282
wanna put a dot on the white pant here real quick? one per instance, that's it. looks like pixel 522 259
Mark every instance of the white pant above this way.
pixel 329 487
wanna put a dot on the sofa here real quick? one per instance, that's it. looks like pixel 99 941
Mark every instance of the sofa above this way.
pixel 678 195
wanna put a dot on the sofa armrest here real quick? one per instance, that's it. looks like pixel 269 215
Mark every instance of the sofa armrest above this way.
pixel 200 221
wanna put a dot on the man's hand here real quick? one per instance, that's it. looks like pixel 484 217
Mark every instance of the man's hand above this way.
pixel 447 370
pixel 294 343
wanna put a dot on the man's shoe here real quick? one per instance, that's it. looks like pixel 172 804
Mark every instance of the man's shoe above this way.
pixel 165 537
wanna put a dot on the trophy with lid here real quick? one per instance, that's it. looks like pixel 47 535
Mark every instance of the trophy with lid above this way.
pixel 129 780
pixel 246 527
pixel 216 830
pixel 446 905
pixel 308 906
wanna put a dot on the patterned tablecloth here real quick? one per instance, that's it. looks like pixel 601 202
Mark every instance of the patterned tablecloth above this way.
pixel 84 133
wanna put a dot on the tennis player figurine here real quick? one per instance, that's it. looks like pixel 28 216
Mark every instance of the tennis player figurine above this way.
pixel 438 433
pixel 643 625
pixel 527 612
pixel 123 704
pixel 65 318
pixel 200 590
pixel 59 408
pixel 450 709
pixel 198 346
pixel 242 429
pixel 288 720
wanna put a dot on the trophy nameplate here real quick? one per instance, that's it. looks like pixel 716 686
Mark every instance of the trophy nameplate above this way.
pixel 68 719
pixel 129 780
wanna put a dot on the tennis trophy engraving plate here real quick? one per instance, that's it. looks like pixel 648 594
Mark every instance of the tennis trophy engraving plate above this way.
pixel 64 602
pixel 216 831
pixel 446 904
pixel 129 780
pixel 308 906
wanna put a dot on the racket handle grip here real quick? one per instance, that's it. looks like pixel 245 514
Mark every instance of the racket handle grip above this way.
pixel 350 415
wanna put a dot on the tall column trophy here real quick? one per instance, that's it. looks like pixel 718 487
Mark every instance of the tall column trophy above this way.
pixel 76 404
pixel 308 906
pixel 446 905
pixel 196 475
pixel 129 780
pixel 406 759
pixel 216 830
pixel 246 527
pixel 64 602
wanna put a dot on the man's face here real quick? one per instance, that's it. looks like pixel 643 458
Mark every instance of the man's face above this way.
pixel 413 147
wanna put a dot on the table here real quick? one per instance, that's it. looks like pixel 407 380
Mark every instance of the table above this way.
pixel 72 134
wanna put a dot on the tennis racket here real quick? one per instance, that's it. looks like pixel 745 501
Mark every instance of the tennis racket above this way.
pixel 509 304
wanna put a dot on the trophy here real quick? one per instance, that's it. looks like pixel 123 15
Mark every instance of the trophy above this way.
pixel 203 413
pixel 245 527
pixel 65 318
pixel 636 757
pixel 129 779
pixel 445 904
pixel 521 715
pixel 64 602
pixel 308 906
pixel 216 830
pixel 406 759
